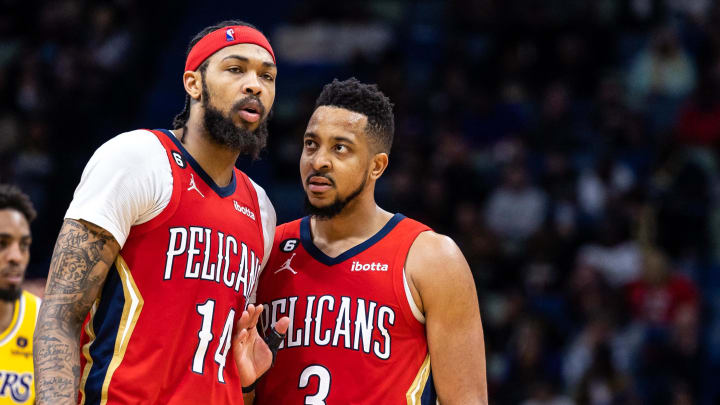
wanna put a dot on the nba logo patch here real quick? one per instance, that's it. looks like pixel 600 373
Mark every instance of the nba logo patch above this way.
pixel 229 35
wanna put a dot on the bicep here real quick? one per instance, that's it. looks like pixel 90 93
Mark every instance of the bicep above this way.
pixel 453 326
pixel 83 254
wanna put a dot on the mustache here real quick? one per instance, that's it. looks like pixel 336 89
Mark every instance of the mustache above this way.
pixel 10 270
pixel 317 174
pixel 250 100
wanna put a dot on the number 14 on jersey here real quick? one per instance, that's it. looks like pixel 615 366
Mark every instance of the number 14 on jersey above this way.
pixel 205 336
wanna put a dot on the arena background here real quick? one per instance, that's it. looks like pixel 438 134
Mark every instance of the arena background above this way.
pixel 569 148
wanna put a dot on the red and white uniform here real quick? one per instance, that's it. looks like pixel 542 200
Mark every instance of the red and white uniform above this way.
pixel 161 329
pixel 355 336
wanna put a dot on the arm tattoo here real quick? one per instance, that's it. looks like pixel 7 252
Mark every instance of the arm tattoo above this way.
pixel 83 254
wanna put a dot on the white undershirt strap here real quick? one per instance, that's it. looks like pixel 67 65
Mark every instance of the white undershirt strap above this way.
pixel 411 301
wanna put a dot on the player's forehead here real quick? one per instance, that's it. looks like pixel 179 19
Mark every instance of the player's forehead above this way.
pixel 244 52
pixel 333 121
pixel 13 222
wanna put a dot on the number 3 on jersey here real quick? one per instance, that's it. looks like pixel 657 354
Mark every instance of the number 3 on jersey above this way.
pixel 324 381
pixel 206 310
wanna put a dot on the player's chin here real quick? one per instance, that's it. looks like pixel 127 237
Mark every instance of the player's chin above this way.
pixel 319 203
pixel 10 285
pixel 246 126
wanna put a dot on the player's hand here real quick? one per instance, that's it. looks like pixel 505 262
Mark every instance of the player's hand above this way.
pixel 252 355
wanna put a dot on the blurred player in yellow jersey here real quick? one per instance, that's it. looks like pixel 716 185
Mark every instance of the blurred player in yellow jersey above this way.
pixel 18 308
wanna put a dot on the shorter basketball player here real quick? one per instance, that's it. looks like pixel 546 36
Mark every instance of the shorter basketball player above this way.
pixel 383 310
pixel 18 308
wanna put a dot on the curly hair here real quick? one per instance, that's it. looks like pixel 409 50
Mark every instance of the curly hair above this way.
pixel 180 120
pixel 366 99
pixel 13 198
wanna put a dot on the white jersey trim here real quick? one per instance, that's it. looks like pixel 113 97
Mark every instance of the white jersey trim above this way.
pixel 411 301
pixel 128 181
pixel 269 222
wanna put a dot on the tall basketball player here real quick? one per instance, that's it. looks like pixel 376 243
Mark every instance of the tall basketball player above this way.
pixel 162 246
pixel 383 310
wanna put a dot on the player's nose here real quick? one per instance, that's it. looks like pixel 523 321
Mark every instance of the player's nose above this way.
pixel 321 160
pixel 14 253
pixel 252 84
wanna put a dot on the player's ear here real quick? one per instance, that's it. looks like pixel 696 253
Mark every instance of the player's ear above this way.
pixel 379 164
pixel 192 81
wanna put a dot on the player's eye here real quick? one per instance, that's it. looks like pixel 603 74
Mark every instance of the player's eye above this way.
pixel 309 143
pixel 341 148
pixel 268 77
pixel 234 69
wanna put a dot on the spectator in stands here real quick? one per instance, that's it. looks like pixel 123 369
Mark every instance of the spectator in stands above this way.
pixel 661 294
pixel 662 69
pixel 613 253
pixel 603 185
pixel 699 120
pixel 516 209
pixel 603 383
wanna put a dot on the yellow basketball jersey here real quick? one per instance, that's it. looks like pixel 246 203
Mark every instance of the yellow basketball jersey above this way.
pixel 17 385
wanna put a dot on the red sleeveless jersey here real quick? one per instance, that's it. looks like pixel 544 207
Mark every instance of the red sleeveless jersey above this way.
pixel 160 331
pixel 353 338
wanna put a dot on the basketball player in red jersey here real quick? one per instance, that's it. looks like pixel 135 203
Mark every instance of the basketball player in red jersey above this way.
pixel 162 246
pixel 383 310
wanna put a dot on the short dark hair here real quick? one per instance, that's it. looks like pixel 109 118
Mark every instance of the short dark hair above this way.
pixel 181 119
pixel 366 99
pixel 13 198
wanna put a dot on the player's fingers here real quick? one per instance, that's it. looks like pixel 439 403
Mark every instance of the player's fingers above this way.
pixel 251 310
pixel 282 325
pixel 256 316
pixel 244 321
pixel 241 337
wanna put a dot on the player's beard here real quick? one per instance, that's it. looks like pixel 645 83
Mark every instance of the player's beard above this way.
pixel 224 132
pixel 337 206
pixel 10 294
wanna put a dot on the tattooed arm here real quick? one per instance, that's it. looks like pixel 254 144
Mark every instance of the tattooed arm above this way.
pixel 83 254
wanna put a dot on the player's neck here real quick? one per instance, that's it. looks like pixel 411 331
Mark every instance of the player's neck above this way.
pixel 217 161
pixel 356 223
pixel 6 315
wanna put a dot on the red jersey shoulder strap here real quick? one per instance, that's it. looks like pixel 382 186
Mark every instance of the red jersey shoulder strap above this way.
pixel 288 230
pixel 404 235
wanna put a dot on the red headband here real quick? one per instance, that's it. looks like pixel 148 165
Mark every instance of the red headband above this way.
pixel 226 36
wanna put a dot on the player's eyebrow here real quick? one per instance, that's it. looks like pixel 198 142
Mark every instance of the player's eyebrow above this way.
pixel 246 60
pixel 344 139
pixel 9 236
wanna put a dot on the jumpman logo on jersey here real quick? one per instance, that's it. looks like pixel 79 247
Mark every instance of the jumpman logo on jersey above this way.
pixel 286 266
pixel 193 186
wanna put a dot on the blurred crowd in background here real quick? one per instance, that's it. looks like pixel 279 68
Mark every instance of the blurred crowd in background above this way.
pixel 569 147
